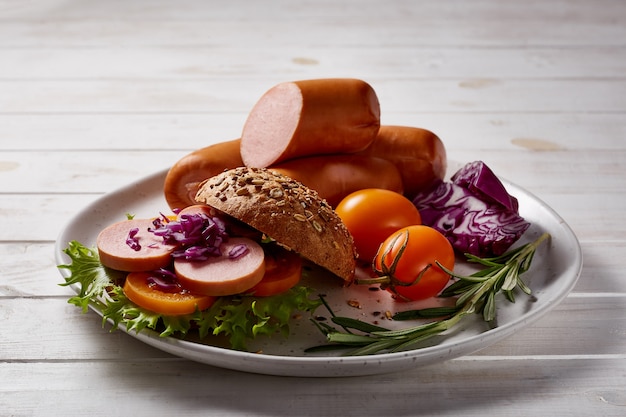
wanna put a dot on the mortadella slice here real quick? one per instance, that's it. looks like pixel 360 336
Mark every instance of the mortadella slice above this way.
pixel 225 274
pixel 129 246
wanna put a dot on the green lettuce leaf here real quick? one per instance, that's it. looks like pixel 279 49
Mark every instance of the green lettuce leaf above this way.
pixel 239 318
pixel 87 272
pixel 242 318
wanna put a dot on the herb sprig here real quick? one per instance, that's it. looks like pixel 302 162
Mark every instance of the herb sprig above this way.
pixel 476 293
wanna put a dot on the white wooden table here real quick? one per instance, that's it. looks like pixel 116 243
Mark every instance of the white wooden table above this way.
pixel 97 94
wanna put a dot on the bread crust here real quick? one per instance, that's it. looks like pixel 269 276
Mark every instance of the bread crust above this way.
pixel 286 211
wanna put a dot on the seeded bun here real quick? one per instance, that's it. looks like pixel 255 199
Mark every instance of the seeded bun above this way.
pixel 286 211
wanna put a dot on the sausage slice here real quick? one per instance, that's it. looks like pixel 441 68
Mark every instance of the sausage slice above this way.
pixel 119 248
pixel 224 275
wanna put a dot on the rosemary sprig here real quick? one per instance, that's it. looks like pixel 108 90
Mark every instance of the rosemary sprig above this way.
pixel 476 293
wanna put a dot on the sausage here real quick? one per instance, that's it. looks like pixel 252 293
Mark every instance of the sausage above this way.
pixel 419 155
pixel 195 209
pixel 310 117
pixel 219 276
pixel 336 176
pixel 182 180
pixel 115 253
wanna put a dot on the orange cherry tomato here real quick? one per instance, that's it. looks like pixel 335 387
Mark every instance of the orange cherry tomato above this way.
pixel 408 258
pixel 372 214
pixel 283 269
pixel 163 296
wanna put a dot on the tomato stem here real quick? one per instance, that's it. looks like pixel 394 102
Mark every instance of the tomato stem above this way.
pixel 386 273
pixel 391 270
pixel 385 279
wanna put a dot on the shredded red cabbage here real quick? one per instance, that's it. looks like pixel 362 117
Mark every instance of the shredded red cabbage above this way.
pixel 238 251
pixel 197 253
pixel 132 241
pixel 198 235
pixel 164 280
pixel 466 213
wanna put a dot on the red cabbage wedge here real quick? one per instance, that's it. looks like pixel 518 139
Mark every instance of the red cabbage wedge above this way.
pixel 474 211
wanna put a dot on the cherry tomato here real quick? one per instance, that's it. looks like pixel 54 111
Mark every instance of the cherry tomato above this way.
pixel 372 214
pixel 163 296
pixel 408 257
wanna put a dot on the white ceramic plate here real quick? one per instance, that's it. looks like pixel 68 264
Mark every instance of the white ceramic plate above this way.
pixel 554 272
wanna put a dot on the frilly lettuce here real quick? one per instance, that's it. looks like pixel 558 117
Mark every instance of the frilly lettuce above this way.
pixel 239 318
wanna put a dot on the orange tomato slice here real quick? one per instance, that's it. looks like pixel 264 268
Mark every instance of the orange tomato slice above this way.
pixel 283 269
pixel 171 301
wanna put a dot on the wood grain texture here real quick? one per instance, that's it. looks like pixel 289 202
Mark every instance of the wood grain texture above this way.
pixel 468 387
pixel 95 95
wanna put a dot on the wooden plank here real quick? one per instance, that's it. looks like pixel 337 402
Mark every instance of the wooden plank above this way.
pixel 210 62
pixel 398 23
pixel 603 267
pixel 592 215
pixel 29 271
pixel 308 10
pixel 64 333
pixel 175 131
pixel 227 95
pixel 472 388
pixel 535 132
pixel 97 171
pixel 580 325
pixel 36 218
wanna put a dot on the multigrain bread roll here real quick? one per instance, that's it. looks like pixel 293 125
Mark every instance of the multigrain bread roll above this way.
pixel 286 211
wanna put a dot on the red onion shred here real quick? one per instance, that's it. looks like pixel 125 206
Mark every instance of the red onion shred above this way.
pixel 164 280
